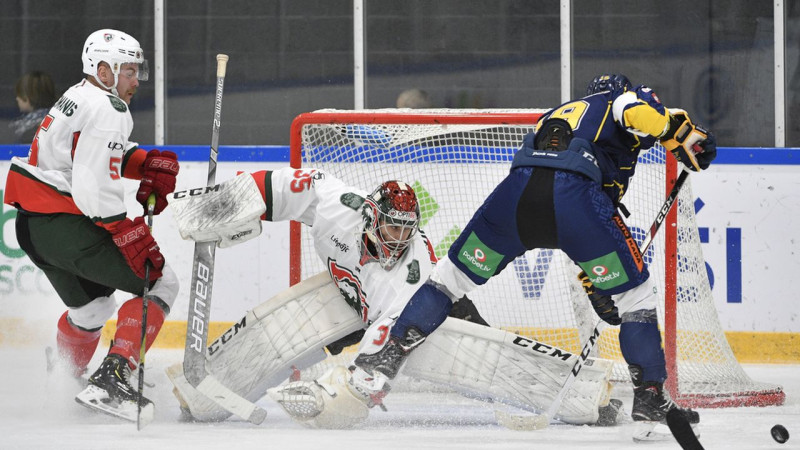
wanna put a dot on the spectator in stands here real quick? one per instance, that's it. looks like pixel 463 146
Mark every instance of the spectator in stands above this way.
pixel 414 98
pixel 36 93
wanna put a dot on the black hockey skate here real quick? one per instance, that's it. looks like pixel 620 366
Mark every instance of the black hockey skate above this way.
pixel 652 403
pixel 608 415
pixel 109 391
pixel 651 406
pixel 389 359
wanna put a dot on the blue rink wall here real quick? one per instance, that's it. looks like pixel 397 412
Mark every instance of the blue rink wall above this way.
pixel 748 215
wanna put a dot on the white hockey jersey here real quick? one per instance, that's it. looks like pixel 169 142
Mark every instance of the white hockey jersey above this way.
pixel 332 212
pixel 77 158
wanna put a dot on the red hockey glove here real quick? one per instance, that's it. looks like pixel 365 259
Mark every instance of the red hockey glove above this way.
pixel 138 247
pixel 159 173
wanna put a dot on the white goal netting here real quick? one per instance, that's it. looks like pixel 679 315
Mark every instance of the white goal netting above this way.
pixel 455 158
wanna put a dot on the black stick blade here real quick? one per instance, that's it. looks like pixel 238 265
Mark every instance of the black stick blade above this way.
pixel 682 430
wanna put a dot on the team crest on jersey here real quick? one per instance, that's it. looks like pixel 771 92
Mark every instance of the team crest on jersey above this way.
pixel 413 272
pixel 118 104
pixel 352 201
pixel 350 287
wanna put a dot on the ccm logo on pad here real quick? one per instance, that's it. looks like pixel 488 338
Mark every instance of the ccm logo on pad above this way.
pixel 196 191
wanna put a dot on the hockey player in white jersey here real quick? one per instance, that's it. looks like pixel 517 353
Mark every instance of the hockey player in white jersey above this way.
pixel 73 224
pixel 375 257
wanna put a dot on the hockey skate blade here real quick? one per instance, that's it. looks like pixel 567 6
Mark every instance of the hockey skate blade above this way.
pixel 646 431
pixel 521 422
pixel 97 399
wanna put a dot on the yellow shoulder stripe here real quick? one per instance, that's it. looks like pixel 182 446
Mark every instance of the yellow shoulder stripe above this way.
pixel 644 118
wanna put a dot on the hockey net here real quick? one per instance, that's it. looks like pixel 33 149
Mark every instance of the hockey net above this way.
pixel 454 159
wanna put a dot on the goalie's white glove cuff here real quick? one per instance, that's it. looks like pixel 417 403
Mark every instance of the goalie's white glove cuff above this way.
pixel 229 213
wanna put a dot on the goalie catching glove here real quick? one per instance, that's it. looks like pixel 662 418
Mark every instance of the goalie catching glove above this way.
pixel 603 304
pixel 692 145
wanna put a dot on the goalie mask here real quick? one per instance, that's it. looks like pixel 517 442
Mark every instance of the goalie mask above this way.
pixel 391 218
pixel 114 48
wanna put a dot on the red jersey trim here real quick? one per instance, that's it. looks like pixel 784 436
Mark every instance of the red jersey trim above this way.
pixel 133 164
pixel 26 192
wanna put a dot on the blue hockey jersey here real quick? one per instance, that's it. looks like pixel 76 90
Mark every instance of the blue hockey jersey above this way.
pixel 618 124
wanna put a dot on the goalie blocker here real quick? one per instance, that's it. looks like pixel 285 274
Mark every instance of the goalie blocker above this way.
pixel 291 330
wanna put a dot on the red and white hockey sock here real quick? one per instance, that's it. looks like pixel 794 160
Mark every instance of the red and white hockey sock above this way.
pixel 76 345
pixel 128 338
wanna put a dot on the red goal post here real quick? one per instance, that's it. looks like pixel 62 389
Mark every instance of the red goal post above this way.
pixel 454 158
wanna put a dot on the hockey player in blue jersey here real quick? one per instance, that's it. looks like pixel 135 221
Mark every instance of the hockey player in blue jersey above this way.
pixel 563 191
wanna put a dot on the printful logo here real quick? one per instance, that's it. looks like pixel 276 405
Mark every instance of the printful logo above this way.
pixel 478 257
pixel 605 272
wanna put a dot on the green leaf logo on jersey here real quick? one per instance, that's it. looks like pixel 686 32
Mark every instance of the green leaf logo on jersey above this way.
pixel 478 257
pixel 605 272
pixel 413 272
pixel 352 201
pixel 118 104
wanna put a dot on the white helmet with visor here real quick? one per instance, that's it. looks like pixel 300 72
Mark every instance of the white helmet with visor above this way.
pixel 114 48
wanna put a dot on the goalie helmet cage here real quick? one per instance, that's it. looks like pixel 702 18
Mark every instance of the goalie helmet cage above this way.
pixel 454 159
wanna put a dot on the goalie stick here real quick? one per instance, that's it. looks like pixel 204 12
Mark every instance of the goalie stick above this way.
pixel 541 421
pixel 194 358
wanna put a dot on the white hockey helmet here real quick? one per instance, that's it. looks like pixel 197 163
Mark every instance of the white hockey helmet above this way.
pixel 115 48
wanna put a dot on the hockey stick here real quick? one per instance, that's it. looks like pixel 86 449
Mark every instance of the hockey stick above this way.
pixel 541 421
pixel 194 358
pixel 151 204
pixel 665 208
pixel 682 430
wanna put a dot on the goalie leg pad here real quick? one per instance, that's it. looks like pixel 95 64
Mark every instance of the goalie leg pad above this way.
pixel 260 351
pixel 229 212
pixel 492 364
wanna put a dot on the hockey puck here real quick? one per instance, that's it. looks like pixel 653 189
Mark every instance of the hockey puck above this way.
pixel 780 433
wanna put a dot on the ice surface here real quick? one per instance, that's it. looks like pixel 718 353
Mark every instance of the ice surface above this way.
pixel 39 412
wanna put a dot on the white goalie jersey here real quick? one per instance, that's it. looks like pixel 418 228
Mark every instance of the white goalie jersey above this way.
pixel 333 212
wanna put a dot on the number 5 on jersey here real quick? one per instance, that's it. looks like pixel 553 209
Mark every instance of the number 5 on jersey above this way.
pixel 302 180
pixel 33 154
